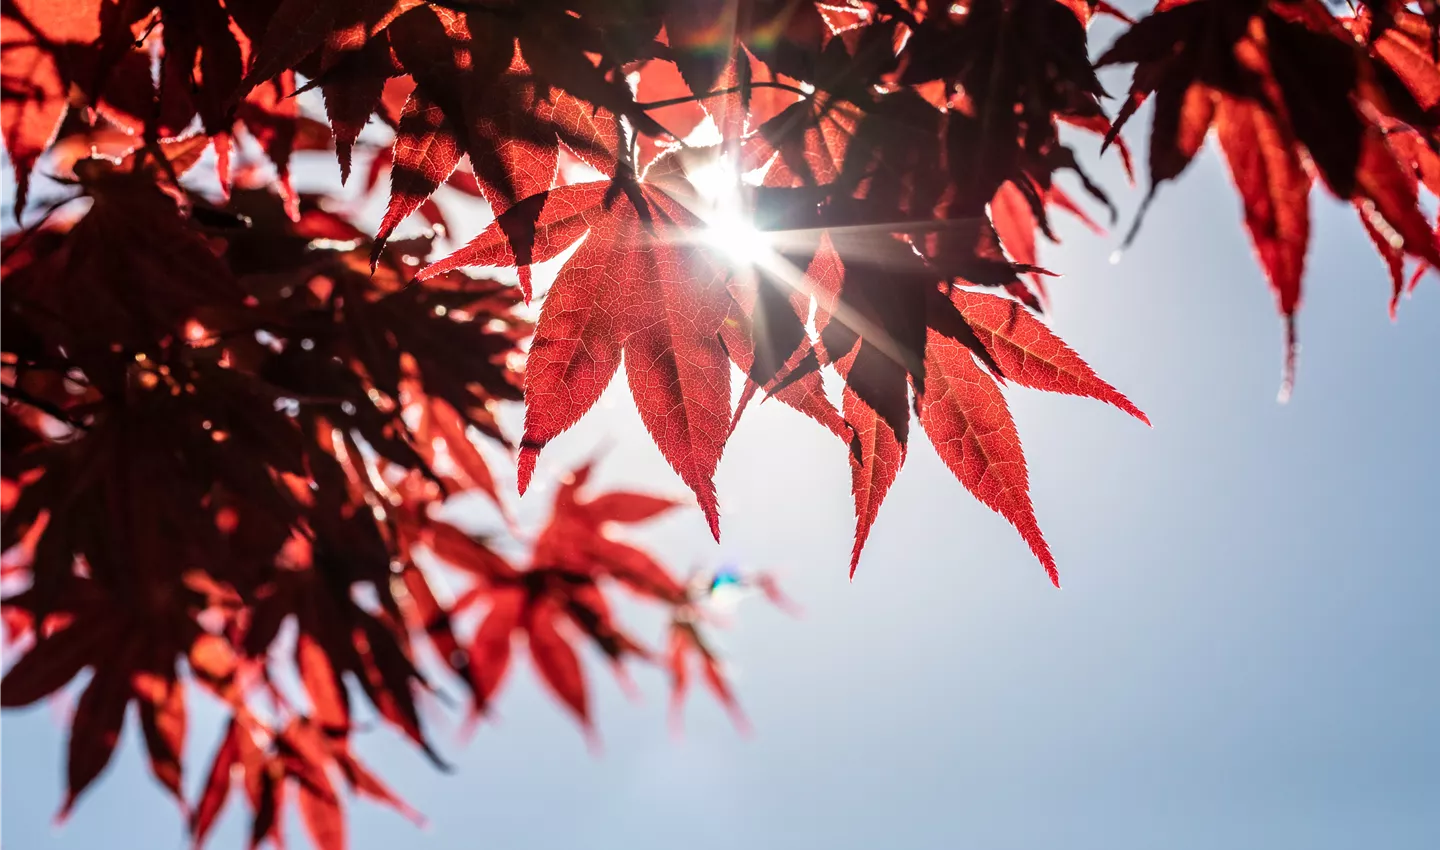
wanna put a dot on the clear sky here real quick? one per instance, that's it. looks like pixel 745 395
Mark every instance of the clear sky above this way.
pixel 1245 653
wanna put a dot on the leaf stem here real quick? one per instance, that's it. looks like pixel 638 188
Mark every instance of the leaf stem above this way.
pixel 676 101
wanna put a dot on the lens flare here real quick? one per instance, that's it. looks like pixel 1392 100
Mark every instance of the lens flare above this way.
pixel 738 239
pixel 727 228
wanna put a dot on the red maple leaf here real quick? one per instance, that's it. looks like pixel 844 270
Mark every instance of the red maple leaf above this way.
pixel 133 659
pixel 638 287
pixel 1290 92
pixel 685 641
pixel 558 596
pixel 299 757
pixel 48 49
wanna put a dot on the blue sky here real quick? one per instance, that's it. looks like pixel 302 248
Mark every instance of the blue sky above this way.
pixel 1244 654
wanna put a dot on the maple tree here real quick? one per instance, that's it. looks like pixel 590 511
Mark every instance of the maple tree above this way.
pixel 229 405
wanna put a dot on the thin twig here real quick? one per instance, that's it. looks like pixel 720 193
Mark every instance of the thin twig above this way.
pixel 676 101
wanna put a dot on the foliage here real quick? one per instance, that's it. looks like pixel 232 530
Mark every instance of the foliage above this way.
pixel 229 408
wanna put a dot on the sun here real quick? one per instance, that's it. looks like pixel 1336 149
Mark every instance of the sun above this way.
pixel 728 229
pixel 761 257
pixel 735 237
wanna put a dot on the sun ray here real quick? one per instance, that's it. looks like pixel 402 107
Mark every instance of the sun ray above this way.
pixel 730 232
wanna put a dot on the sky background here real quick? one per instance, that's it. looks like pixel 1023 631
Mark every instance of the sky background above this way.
pixel 1245 653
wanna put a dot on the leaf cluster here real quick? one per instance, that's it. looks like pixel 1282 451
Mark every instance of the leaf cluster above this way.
pixel 231 410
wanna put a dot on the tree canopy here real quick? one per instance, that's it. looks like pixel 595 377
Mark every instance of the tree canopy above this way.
pixel 229 406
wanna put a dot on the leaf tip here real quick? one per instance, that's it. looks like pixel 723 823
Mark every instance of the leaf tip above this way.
pixel 1129 407
pixel 525 283
pixel 64 814
pixel 855 553
pixel 593 744
pixel 712 516
pixel 525 468
pixel 1292 352
pixel 1030 531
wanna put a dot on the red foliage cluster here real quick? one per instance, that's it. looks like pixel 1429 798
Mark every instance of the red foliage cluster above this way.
pixel 1294 93
pixel 230 408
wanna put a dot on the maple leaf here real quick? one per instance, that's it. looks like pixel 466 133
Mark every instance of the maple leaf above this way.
pixel 46 49
pixel 296 29
pixel 704 37
pixel 773 352
pixel 475 96
pixel 890 323
pixel 576 538
pixel 685 641
pixel 492 89
pixel 1422 166
pixel 559 594
pixel 544 606
pixel 133 659
pixel 271 115
pixel 636 287
pixel 554 658
pixel 1275 80
pixel 1017 69
pixel 1017 215
pixel 1383 16
pixel 298 756
pixel 448 339
pixel 341 638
